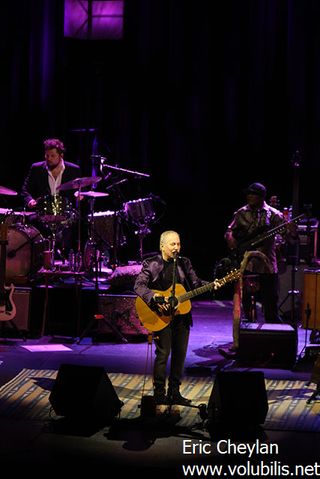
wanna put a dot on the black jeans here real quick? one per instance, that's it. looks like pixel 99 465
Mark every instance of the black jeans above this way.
pixel 172 339
pixel 268 294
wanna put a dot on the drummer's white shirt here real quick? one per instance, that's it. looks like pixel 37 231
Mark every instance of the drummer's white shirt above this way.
pixel 55 182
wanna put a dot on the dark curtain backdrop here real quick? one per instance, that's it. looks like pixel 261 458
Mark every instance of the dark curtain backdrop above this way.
pixel 207 97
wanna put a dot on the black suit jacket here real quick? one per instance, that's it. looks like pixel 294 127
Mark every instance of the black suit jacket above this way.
pixel 36 184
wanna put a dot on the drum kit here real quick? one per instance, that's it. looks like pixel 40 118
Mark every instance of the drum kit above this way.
pixel 26 244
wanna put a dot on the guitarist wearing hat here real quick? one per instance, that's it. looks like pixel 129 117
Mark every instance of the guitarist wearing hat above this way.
pixel 257 219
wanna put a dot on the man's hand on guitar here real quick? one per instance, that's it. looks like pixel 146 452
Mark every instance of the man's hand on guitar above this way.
pixel 231 241
pixel 162 303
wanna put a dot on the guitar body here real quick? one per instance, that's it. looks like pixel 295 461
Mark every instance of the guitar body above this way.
pixel 7 307
pixel 154 320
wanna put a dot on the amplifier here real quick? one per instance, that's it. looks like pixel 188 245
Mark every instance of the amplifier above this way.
pixel 268 345
pixel 22 299
pixel 308 238
pixel 120 311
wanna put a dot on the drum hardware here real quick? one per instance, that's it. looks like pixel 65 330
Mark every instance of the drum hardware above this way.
pixel 78 184
pixel 56 213
pixel 141 213
pixel 91 252
pixel 105 166
pixel 106 232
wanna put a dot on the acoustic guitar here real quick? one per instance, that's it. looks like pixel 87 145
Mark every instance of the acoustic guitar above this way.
pixel 7 306
pixel 155 320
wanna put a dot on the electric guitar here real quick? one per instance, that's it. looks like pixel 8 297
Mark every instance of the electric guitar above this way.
pixel 7 306
pixel 260 235
pixel 155 320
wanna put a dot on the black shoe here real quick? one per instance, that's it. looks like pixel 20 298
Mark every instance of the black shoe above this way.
pixel 228 354
pixel 160 398
pixel 176 398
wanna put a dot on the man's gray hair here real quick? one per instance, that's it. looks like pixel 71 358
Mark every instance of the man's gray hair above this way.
pixel 164 236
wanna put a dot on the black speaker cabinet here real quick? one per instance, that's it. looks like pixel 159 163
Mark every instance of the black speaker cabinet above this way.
pixel 238 399
pixel 267 345
pixel 84 393
pixel 21 298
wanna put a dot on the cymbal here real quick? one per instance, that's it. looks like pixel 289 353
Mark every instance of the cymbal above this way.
pixel 94 194
pixel 6 191
pixel 79 183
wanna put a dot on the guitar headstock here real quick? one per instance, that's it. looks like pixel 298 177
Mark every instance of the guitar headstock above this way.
pixel 231 276
pixel 3 231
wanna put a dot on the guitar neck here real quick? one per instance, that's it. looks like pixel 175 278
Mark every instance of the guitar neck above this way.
pixel 270 234
pixel 218 283
pixel 196 292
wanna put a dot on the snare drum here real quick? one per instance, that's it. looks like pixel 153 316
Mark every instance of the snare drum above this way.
pixel 24 252
pixel 140 211
pixel 54 209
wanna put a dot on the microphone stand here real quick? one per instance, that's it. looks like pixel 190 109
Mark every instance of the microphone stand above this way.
pixel 103 163
pixel 173 300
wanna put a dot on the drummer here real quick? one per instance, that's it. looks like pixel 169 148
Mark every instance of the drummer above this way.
pixel 44 179
pixel 46 176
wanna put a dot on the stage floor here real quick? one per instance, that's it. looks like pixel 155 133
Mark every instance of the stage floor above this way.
pixel 144 444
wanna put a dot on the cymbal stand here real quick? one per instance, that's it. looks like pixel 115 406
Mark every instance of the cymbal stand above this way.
pixel 303 350
pixel 142 232
pixel 79 220
pixel 94 265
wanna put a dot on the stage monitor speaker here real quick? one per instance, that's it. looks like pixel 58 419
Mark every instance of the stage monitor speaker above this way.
pixel 22 300
pixel 238 399
pixel 84 393
pixel 267 345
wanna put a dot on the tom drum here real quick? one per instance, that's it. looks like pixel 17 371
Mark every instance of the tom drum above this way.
pixel 54 209
pixel 140 211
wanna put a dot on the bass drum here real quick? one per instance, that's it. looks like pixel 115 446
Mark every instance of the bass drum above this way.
pixel 24 252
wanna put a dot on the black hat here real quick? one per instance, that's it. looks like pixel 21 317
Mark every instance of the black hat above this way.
pixel 256 189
